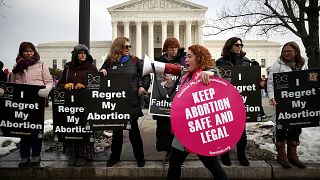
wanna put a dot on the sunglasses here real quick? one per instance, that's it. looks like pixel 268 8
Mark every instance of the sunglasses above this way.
pixel 128 46
pixel 238 45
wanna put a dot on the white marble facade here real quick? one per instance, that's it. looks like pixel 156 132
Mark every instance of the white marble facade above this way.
pixel 147 23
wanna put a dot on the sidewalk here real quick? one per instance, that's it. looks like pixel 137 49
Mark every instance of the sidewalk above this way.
pixel 54 164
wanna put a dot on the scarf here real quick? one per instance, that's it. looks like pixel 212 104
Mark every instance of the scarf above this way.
pixel 22 64
pixel 124 59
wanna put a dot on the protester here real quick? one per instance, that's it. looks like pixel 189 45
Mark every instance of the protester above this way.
pixel 289 60
pixel 73 78
pixel 3 75
pixel 29 69
pixel 121 60
pixel 175 55
pixel 198 59
pixel 233 55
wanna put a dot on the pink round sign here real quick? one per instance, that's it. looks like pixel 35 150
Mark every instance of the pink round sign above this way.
pixel 208 119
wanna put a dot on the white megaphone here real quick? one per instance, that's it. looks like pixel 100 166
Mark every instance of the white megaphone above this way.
pixel 159 67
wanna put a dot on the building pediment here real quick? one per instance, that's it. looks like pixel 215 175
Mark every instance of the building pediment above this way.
pixel 151 5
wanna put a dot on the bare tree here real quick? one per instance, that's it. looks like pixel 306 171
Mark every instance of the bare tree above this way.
pixel 3 4
pixel 267 17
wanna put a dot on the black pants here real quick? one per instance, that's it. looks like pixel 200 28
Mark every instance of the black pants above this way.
pixel 30 143
pixel 163 134
pixel 288 134
pixel 177 158
pixel 135 140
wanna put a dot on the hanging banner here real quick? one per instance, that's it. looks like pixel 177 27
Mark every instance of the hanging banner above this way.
pixel 208 119
pixel 22 110
pixel 297 94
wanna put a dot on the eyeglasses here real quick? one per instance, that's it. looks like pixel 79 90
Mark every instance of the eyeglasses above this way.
pixel 238 45
pixel 28 51
pixel 287 51
pixel 128 46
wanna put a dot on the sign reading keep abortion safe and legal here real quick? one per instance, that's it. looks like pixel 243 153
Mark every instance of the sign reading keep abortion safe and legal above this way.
pixel 208 120
pixel 297 94
pixel 22 110
pixel 246 80
pixel 108 104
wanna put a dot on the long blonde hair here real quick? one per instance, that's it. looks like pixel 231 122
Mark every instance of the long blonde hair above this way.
pixel 117 46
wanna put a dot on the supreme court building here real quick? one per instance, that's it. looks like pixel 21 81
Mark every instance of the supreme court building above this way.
pixel 147 23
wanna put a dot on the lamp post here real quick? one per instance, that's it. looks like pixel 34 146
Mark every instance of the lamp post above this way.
pixel 84 22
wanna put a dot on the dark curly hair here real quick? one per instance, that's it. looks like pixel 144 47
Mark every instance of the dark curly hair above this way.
pixel 226 51
pixel 203 56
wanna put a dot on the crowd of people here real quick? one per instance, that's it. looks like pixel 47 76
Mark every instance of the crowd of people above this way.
pixel 29 69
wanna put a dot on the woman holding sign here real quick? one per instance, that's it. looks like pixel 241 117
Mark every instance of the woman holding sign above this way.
pixel 198 59
pixel 121 60
pixel 74 77
pixel 289 60
pixel 29 69
pixel 233 55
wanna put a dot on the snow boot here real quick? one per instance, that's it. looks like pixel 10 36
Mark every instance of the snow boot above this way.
pixel 282 156
pixel 292 154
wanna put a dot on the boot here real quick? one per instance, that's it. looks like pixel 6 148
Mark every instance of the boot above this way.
pixel 225 159
pixel 241 154
pixel 282 156
pixel 292 154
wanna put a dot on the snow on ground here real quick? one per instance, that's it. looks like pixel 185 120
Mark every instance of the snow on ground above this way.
pixel 308 151
pixel 261 133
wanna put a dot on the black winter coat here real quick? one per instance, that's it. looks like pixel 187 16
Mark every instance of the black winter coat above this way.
pixel 73 73
pixel 133 66
pixel 233 60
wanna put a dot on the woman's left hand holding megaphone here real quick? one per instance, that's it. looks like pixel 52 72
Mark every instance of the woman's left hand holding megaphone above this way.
pixel 104 72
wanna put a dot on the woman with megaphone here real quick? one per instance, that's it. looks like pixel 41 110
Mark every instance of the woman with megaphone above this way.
pixel 121 60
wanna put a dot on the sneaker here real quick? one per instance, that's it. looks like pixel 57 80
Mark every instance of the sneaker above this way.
pixel 72 161
pixel 35 161
pixel 24 162
pixel 81 161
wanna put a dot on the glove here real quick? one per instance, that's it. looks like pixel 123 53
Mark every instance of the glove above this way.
pixel 43 92
pixel 1 92
pixel 68 86
pixel 79 86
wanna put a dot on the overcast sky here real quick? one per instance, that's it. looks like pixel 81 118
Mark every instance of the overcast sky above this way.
pixel 41 21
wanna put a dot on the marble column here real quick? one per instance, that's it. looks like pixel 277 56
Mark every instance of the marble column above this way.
pixel 150 40
pixel 200 32
pixel 164 30
pixel 176 24
pixel 114 29
pixel 126 28
pixel 188 33
pixel 138 39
